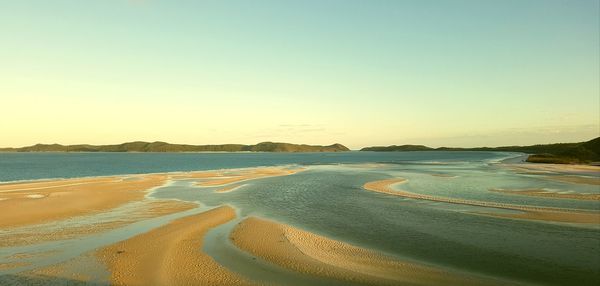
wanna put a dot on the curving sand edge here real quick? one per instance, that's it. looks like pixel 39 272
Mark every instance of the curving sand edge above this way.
pixel 313 254
pixel 530 212
pixel 171 254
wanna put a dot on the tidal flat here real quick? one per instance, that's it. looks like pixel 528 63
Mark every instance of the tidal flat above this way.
pixel 465 218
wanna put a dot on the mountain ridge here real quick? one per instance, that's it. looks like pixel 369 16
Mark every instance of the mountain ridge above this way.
pixel 159 146
pixel 559 153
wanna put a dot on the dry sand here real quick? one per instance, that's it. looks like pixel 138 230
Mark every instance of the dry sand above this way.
pixel 549 194
pixel 39 202
pixel 531 212
pixel 171 254
pixel 312 254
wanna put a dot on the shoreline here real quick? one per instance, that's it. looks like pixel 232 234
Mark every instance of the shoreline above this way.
pixel 171 254
pixel 319 256
pixel 170 173
pixel 53 200
pixel 530 212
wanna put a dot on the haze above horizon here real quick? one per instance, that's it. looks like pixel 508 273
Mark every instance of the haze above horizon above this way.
pixel 438 73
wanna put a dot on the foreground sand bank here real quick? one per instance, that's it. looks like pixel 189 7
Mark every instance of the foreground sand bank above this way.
pixel 39 202
pixel 312 254
pixel 171 254
pixel 531 212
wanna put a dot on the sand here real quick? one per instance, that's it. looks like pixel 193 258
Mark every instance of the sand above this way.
pixel 39 202
pixel 72 229
pixel 195 175
pixel 246 175
pixel 549 194
pixel 574 169
pixel 312 254
pixel 228 189
pixel 576 179
pixel 171 254
pixel 531 212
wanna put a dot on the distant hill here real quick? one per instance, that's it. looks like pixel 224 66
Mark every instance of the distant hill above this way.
pixel 139 146
pixel 397 148
pixel 560 153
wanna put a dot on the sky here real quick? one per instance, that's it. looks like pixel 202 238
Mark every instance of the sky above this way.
pixel 361 73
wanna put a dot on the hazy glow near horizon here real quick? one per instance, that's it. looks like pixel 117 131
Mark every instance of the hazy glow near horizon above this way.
pixel 440 73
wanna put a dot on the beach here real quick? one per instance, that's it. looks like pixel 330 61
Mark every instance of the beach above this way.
pixel 530 212
pixel 313 254
pixel 37 202
pixel 170 255
pixel 344 224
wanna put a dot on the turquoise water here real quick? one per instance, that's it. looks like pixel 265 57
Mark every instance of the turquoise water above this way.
pixel 29 166
pixel 328 199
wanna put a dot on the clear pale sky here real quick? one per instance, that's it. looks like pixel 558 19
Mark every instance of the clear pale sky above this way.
pixel 440 73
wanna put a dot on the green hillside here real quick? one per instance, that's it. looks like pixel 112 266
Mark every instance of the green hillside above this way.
pixel 560 153
pixel 139 146
pixel 397 148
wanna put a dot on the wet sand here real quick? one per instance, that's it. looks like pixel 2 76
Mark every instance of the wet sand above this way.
pixel 171 254
pixel 245 175
pixel 316 255
pixel 577 179
pixel 567 169
pixel 228 189
pixel 531 212
pixel 40 202
pixel 65 230
pixel 549 194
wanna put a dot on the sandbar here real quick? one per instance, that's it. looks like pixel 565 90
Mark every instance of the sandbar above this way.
pixel 317 255
pixel 171 254
pixel 549 194
pixel 67 230
pixel 531 212
pixel 570 169
pixel 68 198
pixel 576 179
pixel 245 175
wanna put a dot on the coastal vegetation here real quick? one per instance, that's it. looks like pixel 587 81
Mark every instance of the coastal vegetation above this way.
pixel 140 146
pixel 560 153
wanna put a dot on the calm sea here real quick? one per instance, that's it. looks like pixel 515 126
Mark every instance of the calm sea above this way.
pixel 27 166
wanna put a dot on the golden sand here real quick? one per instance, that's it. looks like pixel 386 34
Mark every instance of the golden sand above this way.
pixel 39 202
pixel 4 266
pixel 531 212
pixel 171 254
pixel 548 194
pixel 195 175
pixel 545 169
pixel 245 175
pixel 560 168
pixel 312 254
pixel 43 233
